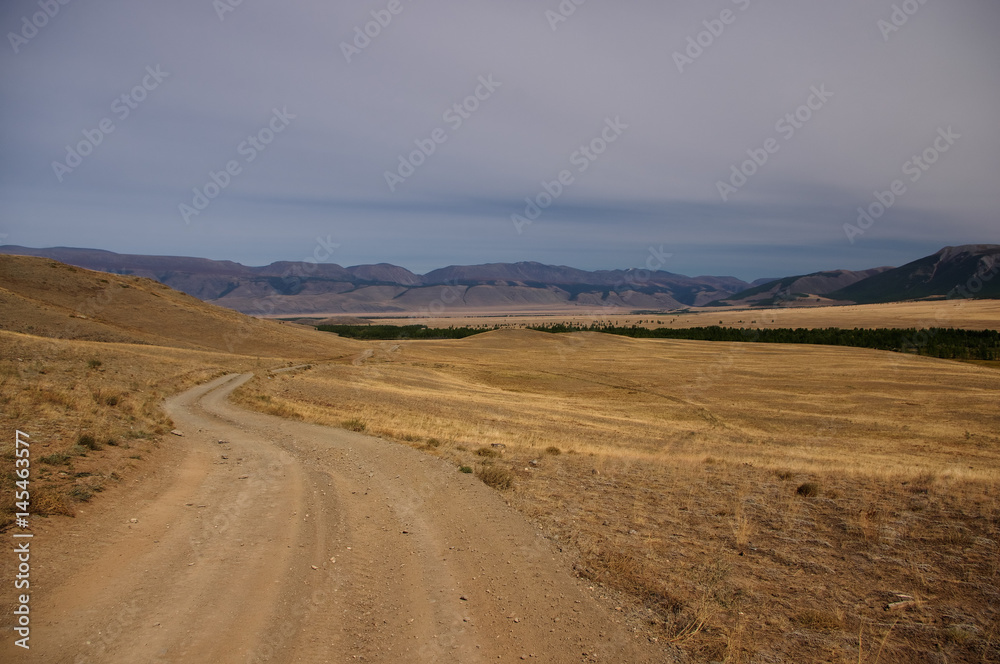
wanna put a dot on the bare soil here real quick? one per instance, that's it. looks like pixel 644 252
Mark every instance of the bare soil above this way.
pixel 251 538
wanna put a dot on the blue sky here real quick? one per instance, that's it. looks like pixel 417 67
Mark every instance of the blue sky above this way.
pixel 740 136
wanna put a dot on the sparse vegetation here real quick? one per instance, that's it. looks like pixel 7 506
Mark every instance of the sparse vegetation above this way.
pixel 682 491
pixel 57 459
pixel 354 424
pixel 487 452
pixel 495 476
pixel 553 450
pixel 808 489
pixel 678 488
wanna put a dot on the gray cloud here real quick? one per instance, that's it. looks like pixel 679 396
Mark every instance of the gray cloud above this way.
pixel 656 184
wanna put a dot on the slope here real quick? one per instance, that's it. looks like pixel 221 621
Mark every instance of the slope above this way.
pixel 967 271
pixel 45 298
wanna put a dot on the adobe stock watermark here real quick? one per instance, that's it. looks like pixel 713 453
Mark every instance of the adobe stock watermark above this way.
pixel 31 25
pixel 454 116
pixel 249 148
pixel 581 158
pixel 364 34
pixel 655 261
pixel 900 16
pixel 223 7
pixel 122 108
pixel 704 40
pixel 786 127
pixel 292 279
pixel 562 12
pixel 914 168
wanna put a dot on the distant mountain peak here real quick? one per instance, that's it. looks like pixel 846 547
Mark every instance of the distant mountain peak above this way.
pixel 300 288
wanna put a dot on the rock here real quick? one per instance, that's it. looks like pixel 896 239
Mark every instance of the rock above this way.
pixel 177 432
pixel 535 462
pixel 133 520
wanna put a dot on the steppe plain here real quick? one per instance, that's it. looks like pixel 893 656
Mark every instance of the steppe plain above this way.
pixel 708 502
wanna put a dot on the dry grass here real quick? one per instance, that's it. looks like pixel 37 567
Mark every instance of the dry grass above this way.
pixel 88 419
pixel 86 358
pixel 968 314
pixel 678 482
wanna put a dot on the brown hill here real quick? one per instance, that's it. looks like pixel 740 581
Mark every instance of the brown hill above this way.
pixel 42 297
pixel 298 288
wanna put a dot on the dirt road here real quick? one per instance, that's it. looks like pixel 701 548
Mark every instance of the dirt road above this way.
pixel 291 542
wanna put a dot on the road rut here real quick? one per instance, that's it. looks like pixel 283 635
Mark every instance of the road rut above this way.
pixel 272 540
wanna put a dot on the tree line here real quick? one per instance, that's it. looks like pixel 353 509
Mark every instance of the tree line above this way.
pixel 947 343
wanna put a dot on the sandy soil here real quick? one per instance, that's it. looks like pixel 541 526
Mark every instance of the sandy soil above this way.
pixel 291 542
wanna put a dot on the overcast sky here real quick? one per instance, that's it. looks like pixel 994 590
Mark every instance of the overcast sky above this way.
pixel 651 112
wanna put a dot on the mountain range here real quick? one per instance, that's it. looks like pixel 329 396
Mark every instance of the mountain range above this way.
pixel 300 288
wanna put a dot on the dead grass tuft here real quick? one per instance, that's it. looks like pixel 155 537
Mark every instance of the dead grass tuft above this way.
pixel 495 476
pixel 818 620
pixel 354 424
pixel 808 489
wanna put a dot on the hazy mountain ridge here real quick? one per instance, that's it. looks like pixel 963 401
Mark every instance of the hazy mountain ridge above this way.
pixel 304 288
pixel 966 271
pixel 797 287
pixel 291 288
pixel 969 271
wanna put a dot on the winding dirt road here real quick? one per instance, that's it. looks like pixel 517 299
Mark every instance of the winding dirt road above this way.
pixel 290 542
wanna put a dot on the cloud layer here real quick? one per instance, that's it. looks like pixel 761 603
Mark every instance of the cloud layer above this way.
pixel 739 134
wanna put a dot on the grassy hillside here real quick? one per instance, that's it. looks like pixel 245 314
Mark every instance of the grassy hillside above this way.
pixel 748 502
pixel 45 298
pixel 86 358
pixel 756 502
pixel 971 270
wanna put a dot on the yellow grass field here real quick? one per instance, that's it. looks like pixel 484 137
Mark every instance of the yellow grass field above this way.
pixel 967 314
pixel 749 503
pixel 674 469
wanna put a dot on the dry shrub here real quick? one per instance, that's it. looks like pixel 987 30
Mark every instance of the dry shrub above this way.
pixel 496 477
pixel 47 501
pixel 818 620
pixel 353 424
pixel 808 489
